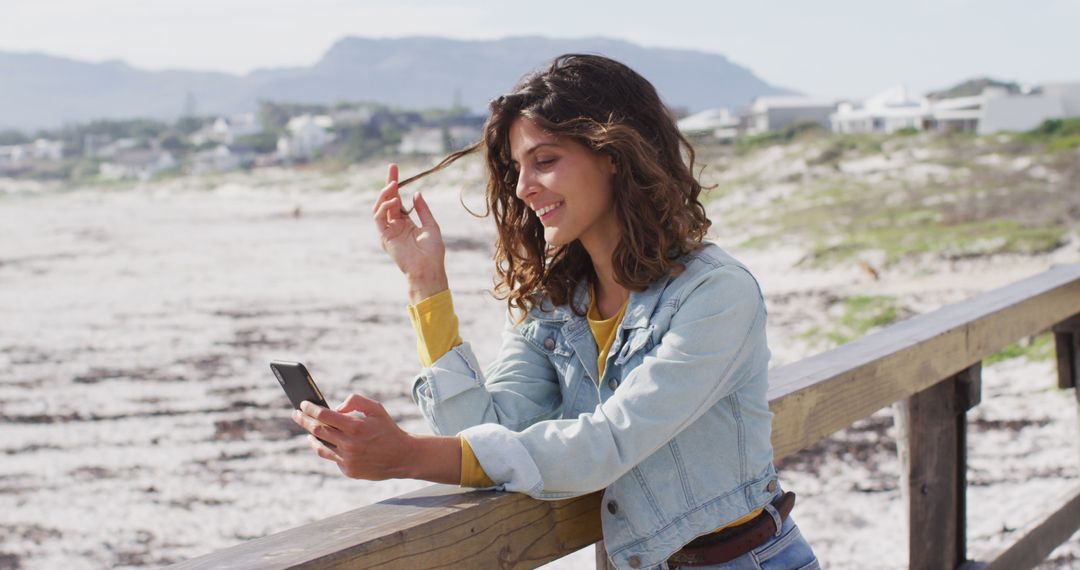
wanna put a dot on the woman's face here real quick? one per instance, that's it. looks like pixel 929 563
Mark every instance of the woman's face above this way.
pixel 566 185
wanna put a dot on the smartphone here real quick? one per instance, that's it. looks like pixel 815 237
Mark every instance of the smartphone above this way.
pixel 298 384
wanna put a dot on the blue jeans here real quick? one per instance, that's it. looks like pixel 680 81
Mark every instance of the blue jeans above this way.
pixel 788 551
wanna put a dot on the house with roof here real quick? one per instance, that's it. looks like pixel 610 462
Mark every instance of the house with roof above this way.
pixel 719 123
pixel 438 140
pixel 226 130
pixel 222 158
pixel 141 164
pixel 779 112
pixel 885 112
pixel 993 110
pixel 307 135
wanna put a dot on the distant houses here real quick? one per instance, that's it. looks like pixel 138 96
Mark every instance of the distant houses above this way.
pixel 993 110
pixel 438 140
pixel 307 135
pixel 141 164
pixel 886 112
pixel 18 158
pixel 227 130
pixel 222 158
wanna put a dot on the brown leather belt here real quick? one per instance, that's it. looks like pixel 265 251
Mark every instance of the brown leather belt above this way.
pixel 731 543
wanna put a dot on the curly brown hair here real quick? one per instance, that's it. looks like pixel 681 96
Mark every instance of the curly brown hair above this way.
pixel 611 109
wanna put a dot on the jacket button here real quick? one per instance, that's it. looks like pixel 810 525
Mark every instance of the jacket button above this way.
pixel 612 507
pixel 771 487
pixel 549 343
pixel 634 561
pixel 613 383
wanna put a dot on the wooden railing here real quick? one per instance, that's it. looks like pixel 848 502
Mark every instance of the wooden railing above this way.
pixel 930 364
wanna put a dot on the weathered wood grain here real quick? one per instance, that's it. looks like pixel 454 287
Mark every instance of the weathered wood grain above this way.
pixel 436 527
pixel 934 470
pixel 820 395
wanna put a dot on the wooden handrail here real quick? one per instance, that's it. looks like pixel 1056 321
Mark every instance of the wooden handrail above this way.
pixel 446 527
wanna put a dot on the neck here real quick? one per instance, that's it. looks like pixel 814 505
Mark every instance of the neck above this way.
pixel 608 291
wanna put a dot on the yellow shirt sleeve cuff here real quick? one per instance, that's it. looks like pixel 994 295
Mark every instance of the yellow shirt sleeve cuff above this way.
pixel 436 327
pixel 472 474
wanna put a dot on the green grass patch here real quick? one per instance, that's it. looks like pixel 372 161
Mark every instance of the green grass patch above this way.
pixel 859 315
pixel 1058 135
pixel 983 237
pixel 1039 348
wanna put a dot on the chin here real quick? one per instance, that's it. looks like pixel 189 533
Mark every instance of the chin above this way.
pixel 556 240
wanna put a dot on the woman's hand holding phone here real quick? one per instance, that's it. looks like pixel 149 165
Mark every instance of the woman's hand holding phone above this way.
pixel 418 251
pixel 370 447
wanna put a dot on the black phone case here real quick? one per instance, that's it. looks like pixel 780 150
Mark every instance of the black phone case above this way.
pixel 299 386
pixel 297 383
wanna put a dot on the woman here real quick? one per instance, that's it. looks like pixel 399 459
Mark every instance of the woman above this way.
pixel 633 358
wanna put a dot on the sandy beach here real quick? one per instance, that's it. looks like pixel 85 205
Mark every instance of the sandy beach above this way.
pixel 141 425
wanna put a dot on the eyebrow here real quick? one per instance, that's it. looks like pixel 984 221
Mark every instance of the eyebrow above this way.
pixel 534 149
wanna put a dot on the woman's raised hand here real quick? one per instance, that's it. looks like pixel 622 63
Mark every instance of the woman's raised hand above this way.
pixel 418 251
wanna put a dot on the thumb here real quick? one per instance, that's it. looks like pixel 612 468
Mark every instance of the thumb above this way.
pixel 358 403
pixel 427 220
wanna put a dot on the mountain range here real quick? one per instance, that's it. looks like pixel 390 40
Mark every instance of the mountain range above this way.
pixel 42 91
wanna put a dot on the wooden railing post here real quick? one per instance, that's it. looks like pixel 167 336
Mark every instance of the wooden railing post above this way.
pixel 1067 345
pixel 933 454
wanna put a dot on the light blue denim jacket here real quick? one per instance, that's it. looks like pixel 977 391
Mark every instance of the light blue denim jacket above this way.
pixel 677 432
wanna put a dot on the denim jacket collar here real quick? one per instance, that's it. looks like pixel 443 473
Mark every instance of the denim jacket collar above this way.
pixel 641 306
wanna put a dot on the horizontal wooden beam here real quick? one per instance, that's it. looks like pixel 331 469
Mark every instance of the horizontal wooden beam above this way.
pixel 820 395
pixel 1050 529
pixel 440 526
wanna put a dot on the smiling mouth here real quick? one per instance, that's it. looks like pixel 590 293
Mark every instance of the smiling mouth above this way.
pixel 548 211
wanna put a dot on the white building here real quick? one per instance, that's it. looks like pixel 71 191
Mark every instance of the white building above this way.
pixel 307 134
pixel 775 113
pixel 1002 111
pixel 140 164
pixel 221 158
pixel 438 140
pixel 885 112
pixel 1068 93
pixel 12 154
pixel 227 129
pixel 719 123
pixel 994 110
pixel 44 149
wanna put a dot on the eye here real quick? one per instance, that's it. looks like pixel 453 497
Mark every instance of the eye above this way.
pixel 544 163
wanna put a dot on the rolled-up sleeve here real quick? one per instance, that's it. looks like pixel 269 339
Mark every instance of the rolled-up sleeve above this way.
pixel 517 390
pixel 715 344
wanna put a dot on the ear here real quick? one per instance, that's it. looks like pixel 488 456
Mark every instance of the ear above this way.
pixel 611 163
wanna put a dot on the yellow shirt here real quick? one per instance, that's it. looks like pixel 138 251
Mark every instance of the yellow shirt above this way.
pixel 436 327
pixel 603 330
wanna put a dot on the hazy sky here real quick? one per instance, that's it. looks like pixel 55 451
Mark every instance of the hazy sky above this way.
pixel 842 48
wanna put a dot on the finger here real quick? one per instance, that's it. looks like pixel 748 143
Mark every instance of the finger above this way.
pixel 427 219
pixel 391 173
pixel 318 429
pixel 328 418
pixel 389 213
pixel 322 451
pixel 388 192
pixel 358 403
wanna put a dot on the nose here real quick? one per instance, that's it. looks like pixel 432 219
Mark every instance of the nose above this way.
pixel 526 185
